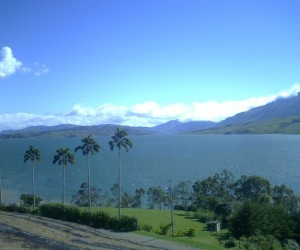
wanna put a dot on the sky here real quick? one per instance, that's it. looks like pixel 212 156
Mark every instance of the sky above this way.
pixel 144 62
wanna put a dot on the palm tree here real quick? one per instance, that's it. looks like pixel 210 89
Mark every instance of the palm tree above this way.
pixel 63 156
pixel 33 155
pixel 120 141
pixel 89 146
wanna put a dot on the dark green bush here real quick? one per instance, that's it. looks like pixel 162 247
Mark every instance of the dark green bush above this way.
pixel 230 243
pixel 71 214
pixel 53 210
pixel 101 219
pixel 127 223
pixel 124 224
pixel 85 218
pixel 15 208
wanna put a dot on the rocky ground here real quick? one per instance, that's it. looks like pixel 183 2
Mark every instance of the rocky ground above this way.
pixel 19 231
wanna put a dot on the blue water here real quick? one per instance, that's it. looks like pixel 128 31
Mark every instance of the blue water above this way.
pixel 153 161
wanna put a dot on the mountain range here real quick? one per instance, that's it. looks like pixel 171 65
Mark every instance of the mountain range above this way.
pixel 281 116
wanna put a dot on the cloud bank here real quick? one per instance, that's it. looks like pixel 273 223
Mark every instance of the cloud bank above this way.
pixel 143 114
pixel 9 65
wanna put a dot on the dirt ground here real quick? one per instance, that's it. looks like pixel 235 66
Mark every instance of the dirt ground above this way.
pixel 19 231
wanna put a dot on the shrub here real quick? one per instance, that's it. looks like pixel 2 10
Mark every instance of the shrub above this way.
pixel 145 227
pixel 15 208
pixel 204 215
pixel 85 218
pixel 101 219
pixel 71 214
pixel 163 229
pixel 190 232
pixel 127 223
pixel 124 223
pixel 230 243
pixel 53 210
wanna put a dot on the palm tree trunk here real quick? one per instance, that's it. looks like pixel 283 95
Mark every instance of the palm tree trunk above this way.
pixel 33 187
pixel 119 183
pixel 64 178
pixel 89 181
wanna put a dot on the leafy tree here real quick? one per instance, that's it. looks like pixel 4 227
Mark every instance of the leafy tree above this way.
pixel 81 198
pixel 156 197
pixel 285 198
pixel 33 155
pixel 107 200
pixel 137 198
pixel 252 187
pixel 214 190
pixel 244 221
pixel 253 218
pixel 63 157
pixel 296 219
pixel 126 200
pixel 223 212
pixel 183 195
pixel 89 147
pixel 115 190
pixel 120 141
pixel 27 199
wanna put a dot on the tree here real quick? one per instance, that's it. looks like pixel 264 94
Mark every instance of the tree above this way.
pixel 253 218
pixel 183 195
pixel 252 187
pixel 89 147
pixel 63 157
pixel 156 197
pixel 27 199
pixel 33 155
pixel 126 200
pixel 115 190
pixel 120 141
pixel 81 198
pixel 244 221
pixel 285 198
pixel 137 198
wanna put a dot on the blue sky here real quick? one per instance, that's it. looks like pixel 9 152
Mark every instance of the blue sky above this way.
pixel 143 62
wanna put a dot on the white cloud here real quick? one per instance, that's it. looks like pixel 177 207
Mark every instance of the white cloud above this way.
pixel 40 69
pixel 8 63
pixel 143 114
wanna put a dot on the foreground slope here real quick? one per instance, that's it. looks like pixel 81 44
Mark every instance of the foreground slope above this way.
pixel 18 231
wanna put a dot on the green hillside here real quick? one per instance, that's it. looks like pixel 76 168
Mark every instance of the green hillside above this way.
pixel 288 125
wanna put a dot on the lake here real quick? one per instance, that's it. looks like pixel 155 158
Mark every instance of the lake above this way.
pixel 153 161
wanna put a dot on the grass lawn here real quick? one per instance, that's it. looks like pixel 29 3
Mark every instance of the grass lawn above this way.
pixel 182 220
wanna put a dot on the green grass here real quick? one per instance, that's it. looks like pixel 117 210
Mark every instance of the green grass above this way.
pixel 182 220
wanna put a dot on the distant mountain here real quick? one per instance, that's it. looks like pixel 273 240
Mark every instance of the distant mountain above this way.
pixel 279 116
pixel 280 108
pixel 176 126
pixel 71 131
pixel 38 129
